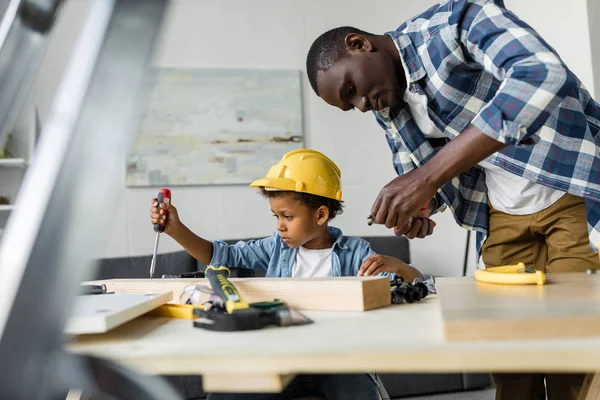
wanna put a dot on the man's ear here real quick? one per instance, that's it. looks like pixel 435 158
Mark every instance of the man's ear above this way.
pixel 356 42
pixel 322 215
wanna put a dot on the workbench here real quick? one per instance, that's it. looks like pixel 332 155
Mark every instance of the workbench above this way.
pixel 394 339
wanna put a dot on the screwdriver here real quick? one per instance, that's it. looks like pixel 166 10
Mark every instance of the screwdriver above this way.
pixel 164 196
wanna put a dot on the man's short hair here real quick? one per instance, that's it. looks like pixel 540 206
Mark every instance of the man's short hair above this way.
pixel 326 50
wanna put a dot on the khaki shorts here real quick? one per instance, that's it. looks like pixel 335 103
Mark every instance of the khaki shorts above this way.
pixel 551 240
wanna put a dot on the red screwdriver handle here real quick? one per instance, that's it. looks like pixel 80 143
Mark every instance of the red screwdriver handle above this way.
pixel 164 196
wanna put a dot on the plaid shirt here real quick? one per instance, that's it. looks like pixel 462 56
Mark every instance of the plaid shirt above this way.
pixel 477 63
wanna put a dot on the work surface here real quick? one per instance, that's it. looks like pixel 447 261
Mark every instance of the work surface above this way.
pixel 400 338
pixel 567 306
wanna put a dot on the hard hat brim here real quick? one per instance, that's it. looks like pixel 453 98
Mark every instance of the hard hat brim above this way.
pixel 290 185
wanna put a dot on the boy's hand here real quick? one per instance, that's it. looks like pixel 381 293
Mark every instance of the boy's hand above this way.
pixel 376 264
pixel 157 216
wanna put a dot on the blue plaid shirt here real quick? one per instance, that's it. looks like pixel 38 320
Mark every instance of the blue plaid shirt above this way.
pixel 477 63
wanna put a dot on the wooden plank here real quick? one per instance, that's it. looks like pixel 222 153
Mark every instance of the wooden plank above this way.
pixel 247 383
pixel 591 387
pixel 327 294
pixel 100 313
pixel 568 306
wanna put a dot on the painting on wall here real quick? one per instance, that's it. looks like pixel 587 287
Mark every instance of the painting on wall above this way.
pixel 215 126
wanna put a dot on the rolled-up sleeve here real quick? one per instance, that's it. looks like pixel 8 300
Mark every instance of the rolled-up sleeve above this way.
pixel 253 254
pixel 534 79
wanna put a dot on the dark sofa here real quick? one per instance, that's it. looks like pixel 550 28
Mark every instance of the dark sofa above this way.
pixel 397 385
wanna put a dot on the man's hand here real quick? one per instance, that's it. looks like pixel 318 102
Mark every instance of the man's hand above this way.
pixel 416 227
pixel 401 200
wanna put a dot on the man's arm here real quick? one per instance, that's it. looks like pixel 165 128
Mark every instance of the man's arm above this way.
pixel 458 155
pixel 534 82
pixel 534 79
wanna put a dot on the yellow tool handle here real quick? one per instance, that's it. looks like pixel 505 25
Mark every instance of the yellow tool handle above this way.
pixel 225 289
pixel 511 275
pixel 184 311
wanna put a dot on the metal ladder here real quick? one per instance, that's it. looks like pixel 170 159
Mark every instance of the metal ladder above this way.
pixel 45 251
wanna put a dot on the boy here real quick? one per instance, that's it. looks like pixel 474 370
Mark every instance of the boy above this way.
pixel 304 192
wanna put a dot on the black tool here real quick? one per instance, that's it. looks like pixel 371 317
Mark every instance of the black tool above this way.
pixel 195 274
pixel 231 313
pixel 406 292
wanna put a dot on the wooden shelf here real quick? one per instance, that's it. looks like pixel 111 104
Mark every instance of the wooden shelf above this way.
pixel 13 162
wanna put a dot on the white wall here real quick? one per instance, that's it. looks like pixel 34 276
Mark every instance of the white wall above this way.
pixel 276 35
pixel 564 25
pixel 593 8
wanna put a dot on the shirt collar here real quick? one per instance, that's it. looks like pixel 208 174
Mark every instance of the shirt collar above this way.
pixel 339 240
pixel 409 56
pixel 412 64
pixel 338 237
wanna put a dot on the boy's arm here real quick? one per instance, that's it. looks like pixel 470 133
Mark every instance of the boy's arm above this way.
pixel 199 248
pixel 377 264
pixel 252 254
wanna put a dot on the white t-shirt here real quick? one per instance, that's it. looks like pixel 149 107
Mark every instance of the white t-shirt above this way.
pixel 507 192
pixel 312 263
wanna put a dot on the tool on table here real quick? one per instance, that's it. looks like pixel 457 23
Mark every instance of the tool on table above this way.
pixel 164 196
pixel 370 217
pixel 227 311
pixel 183 311
pixel 406 292
pixel 92 289
pixel 195 274
pixel 517 274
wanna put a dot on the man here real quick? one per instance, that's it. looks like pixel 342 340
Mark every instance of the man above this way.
pixel 482 117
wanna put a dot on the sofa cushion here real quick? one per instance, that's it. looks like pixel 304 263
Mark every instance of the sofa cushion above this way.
pixel 139 267
pixel 390 246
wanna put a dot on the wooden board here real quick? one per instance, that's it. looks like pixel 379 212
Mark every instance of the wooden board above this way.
pixel 568 306
pixel 328 294
pixel 100 313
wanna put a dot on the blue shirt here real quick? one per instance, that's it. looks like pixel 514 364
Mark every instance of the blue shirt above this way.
pixel 477 63
pixel 277 258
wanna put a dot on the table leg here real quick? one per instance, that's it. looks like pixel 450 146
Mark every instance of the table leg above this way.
pixel 591 387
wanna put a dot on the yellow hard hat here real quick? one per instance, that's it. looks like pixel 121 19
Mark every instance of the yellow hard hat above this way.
pixel 306 171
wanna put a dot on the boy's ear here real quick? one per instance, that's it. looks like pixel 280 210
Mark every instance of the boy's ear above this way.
pixel 322 215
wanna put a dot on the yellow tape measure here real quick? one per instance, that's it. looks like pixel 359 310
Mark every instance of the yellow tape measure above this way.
pixel 511 275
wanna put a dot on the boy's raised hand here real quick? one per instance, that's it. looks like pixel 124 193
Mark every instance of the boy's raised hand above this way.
pixel 157 216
